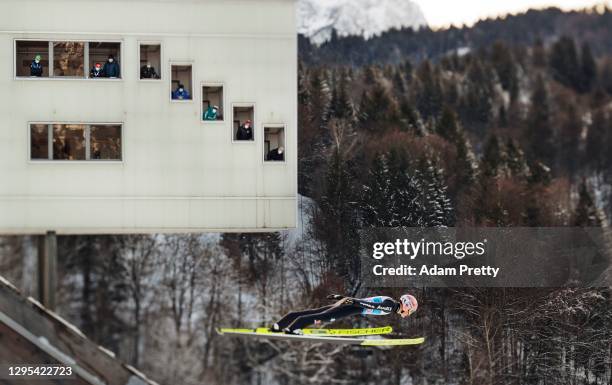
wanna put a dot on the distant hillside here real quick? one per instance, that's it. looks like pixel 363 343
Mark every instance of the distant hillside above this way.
pixel 318 18
pixel 396 46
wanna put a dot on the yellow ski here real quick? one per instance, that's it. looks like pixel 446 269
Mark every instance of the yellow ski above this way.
pixel 335 339
pixel 391 342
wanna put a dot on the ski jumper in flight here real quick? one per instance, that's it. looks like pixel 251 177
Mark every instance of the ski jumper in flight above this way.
pixel 294 322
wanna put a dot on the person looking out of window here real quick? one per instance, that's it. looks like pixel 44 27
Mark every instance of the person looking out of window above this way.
pixel 96 72
pixel 36 68
pixel 111 68
pixel 147 71
pixel 245 131
pixel 211 113
pixel 181 93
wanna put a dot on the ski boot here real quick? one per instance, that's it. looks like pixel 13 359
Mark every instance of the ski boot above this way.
pixel 296 332
pixel 275 329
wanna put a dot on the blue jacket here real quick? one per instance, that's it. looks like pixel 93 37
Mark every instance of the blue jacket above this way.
pixel 111 70
pixel 178 95
pixel 36 69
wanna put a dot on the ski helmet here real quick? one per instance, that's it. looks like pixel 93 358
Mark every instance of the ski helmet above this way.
pixel 409 302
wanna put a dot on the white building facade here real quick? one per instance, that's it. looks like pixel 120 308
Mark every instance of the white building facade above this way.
pixel 191 127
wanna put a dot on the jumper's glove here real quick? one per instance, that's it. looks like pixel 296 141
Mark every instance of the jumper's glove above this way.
pixel 335 296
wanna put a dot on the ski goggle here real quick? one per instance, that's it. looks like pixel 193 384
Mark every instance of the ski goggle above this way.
pixel 407 306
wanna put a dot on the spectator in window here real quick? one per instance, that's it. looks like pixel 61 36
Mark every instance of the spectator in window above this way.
pixel 97 71
pixel 36 68
pixel 245 131
pixel 96 153
pixel 211 113
pixel 278 154
pixel 111 68
pixel 61 149
pixel 181 93
pixel 148 72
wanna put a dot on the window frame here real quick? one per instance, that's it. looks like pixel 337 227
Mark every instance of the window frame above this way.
pixel 214 84
pixel 87 135
pixel 86 67
pixel 89 64
pixel 50 59
pixel 180 63
pixel 162 75
pixel 263 153
pixel 232 135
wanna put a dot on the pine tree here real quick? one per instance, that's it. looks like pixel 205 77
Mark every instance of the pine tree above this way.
pixel 502 117
pixel 337 219
pixel 410 118
pixel 476 106
pixel 586 213
pixel 395 196
pixel 447 126
pixel 515 159
pixel 571 131
pixel 539 132
pixel 399 85
pixel 606 76
pixel 377 111
pixel 377 200
pixel 493 159
pixel 588 67
pixel 564 63
pixel 607 140
pixel 320 98
pixel 539 54
pixel 407 68
pixel 369 75
pixel 409 193
pixel 440 211
pixel 429 95
pixel 504 65
pixel 465 164
pixel 306 132
pixel 313 115
pixel 341 106
pixel 303 89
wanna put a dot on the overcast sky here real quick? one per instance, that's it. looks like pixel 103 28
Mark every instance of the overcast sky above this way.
pixel 441 13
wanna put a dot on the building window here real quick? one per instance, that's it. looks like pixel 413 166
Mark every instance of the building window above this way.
pixel 32 58
pixel 69 142
pixel 244 117
pixel 274 143
pixel 39 141
pixel 105 142
pixel 69 59
pixel 150 61
pixel 181 82
pixel 212 103
pixel 104 60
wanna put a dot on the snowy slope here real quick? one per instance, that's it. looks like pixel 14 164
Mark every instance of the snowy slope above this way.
pixel 317 18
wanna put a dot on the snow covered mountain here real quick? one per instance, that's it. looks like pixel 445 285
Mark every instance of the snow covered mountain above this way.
pixel 317 18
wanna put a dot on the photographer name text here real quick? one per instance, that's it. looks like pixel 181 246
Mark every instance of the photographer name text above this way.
pixel 435 270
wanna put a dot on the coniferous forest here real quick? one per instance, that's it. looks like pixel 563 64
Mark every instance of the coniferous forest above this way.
pixel 507 123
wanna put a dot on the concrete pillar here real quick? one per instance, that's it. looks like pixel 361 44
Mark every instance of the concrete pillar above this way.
pixel 47 269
